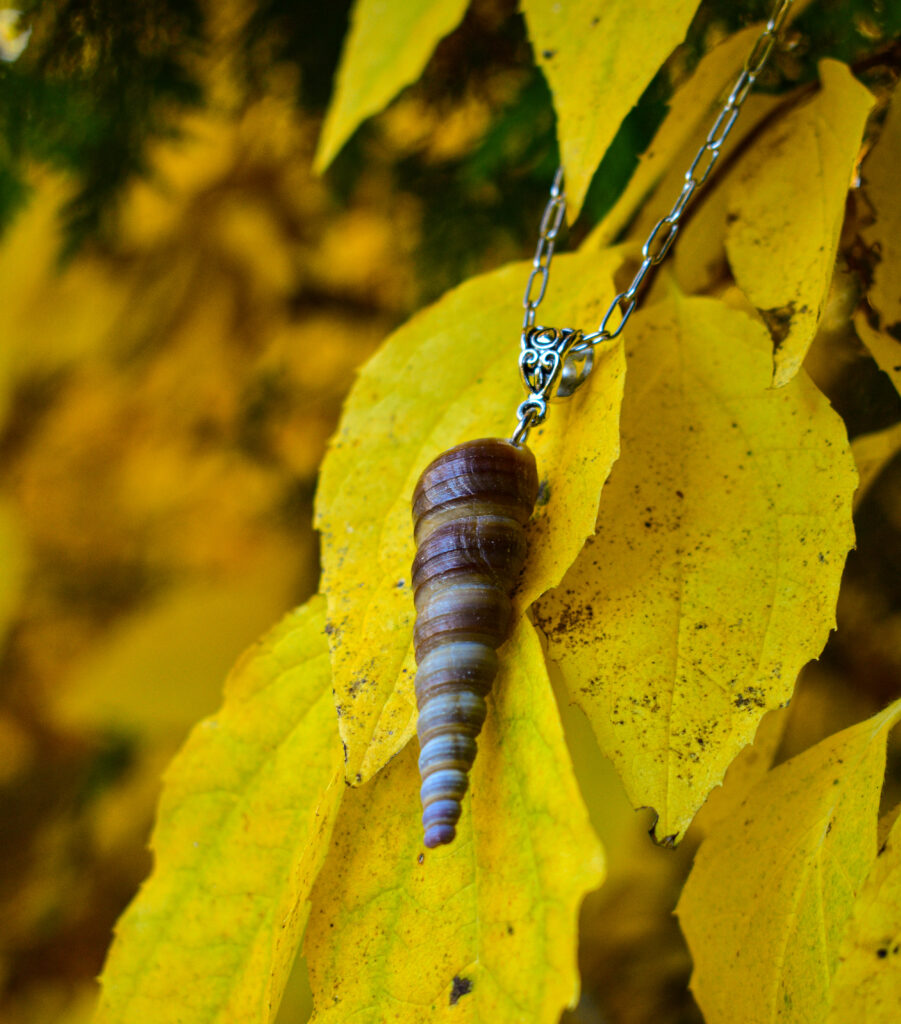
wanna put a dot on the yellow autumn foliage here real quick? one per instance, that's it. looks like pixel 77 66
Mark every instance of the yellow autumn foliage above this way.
pixel 241 832
pixel 166 401
pixel 872 452
pixel 490 922
pixel 692 109
pixel 387 47
pixel 602 51
pixel 402 412
pixel 785 214
pixel 878 320
pixel 805 837
pixel 683 620
pixel 867 983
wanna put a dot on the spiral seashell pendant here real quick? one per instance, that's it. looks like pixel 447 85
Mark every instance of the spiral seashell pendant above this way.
pixel 470 508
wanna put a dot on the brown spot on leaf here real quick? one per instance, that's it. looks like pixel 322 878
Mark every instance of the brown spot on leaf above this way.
pixel 459 988
pixel 779 322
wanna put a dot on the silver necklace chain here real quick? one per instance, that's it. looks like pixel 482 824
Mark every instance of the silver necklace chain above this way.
pixel 554 361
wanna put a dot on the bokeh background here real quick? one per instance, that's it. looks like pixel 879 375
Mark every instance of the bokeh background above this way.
pixel 182 309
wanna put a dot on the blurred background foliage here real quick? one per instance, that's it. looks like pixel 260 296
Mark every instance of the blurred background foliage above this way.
pixel 183 309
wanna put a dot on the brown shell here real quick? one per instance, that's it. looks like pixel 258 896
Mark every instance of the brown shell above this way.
pixel 469 510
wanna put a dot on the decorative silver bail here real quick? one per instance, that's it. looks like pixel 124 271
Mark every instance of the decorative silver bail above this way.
pixel 553 362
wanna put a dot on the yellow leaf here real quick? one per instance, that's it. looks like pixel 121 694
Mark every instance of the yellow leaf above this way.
pixel 13 558
pixel 162 669
pixel 692 110
pixel 484 929
pixel 448 375
pixel 745 772
pixel 698 257
pixel 879 326
pixel 786 212
pixel 867 983
pixel 699 263
pixel 244 823
pixel 598 58
pixel 772 891
pixel 52 317
pixel 714 572
pixel 387 47
pixel 883 346
pixel 872 453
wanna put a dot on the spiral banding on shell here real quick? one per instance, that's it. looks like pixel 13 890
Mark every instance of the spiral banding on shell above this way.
pixel 469 510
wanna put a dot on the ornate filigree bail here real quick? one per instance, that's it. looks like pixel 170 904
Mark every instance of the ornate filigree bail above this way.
pixel 553 362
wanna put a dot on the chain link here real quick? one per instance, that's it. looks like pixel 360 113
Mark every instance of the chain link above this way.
pixel 663 234
pixel 548 230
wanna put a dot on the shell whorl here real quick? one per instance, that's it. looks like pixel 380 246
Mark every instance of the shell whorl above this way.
pixel 469 511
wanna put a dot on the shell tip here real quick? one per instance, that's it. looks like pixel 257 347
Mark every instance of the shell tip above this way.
pixel 439 835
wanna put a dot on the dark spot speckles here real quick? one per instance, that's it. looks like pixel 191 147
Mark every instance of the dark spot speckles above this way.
pixel 882 952
pixel 751 697
pixel 329 629
pixel 544 494
pixel 459 988
pixel 359 778
pixel 357 684
pixel 509 929
pixel 548 54
pixel 420 859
